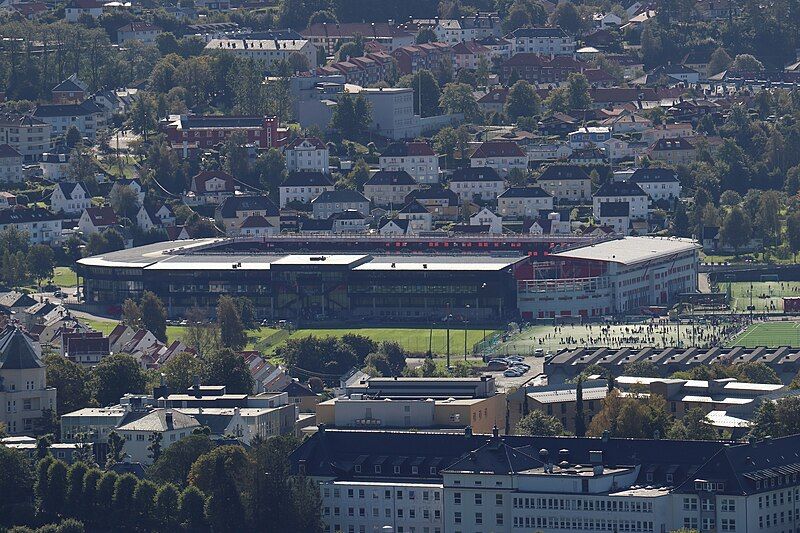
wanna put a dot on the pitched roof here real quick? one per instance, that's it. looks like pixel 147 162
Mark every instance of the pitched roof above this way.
pixel 314 141
pixel 351 29
pixel 340 196
pixel 483 174
pixel 564 172
pixel 654 174
pixel 524 192
pixel 67 188
pixel 391 177
pixel 498 149
pixel 415 149
pixel 67 110
pixel 161 420
pixel 8 151
pixel 434 193
pixel 549 32
pixel 619 188
pixel 233 204
pixel 17 350
pixel 101 216
pixel 199 180
pixel 675 143
pixel 307 178
pixel 414 207
pixel 256 221
pixel 21 214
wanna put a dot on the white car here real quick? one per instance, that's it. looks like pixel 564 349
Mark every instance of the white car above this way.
pixel 512 373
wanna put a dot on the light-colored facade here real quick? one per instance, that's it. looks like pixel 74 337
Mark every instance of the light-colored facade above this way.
pixel 393 112
pixel 303 188
pixel 307 154
pixel 542 41
pixel 69 198
pixel 421 164
pixel 523 202
pixel 10 165
pixel 470 186
pixel 29 136
pixel 266 51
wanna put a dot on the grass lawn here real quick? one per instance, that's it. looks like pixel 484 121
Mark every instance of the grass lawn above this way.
pixel 65 277
pixel 770 334
pixel 414 340
pixel 766 294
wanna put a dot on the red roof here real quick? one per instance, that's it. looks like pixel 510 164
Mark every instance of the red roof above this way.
pixel 419 148
pixel 469 48
pixel 101 216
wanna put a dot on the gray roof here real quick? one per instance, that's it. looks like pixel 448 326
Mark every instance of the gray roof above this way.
pixel 17 351
pixel 158 420
pixel 339 196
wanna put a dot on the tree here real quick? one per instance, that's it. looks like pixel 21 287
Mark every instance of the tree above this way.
pixel 693 426
pixel 426 92
pixel 122 503
pixel 352 115
pixel 270 167
pixel 230 369
pixel 522 101
pixel 736 229
pixel 125 201
pixel 224 474
pixel 114 376
pixel 768 219
pixel 41 261
pixel 720 60
pixel 16 486
pixel 70 525
pixel 131 313
pixel 746 63
pixel 104 496
pixel 165 505
pixel 191 509
pixel 248 88
pixel 73 137
pixel 578 91
pixel 445 141
pixel 645 369
pixel 793 232
pixel 458 98
pixel 89 495
pixel 55 495
pixel 425 35
pixel 143 498
pixel 628 417
pixel 537 423
pixel 566 15
pixel 176 461
pixel 180 370
pixel 154 448
pixel 230 325
pixel 115 445
pixel 69 379
pixel 75 474
pixel 154 316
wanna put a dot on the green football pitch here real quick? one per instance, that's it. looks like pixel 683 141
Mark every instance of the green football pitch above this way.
pixel 770 334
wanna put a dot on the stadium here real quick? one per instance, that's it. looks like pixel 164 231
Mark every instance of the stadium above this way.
pixel 388 279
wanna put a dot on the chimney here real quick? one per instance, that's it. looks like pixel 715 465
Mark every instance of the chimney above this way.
pixel 596 458
pixel 495 432
pixel 168 418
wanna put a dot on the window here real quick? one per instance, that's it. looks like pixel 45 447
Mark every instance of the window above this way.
pixel 498 499
pixel 479 518
pixel 457 498
pixel 478 498
pixel 457 517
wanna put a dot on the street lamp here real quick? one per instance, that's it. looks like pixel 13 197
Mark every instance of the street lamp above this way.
pixel 465 333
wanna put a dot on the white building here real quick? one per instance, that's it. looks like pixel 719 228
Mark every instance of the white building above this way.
pixel 307 154
pixel 419 219
pixel 658 183
pixel 42 226
pixel 389 187
pixel 87 117
pixel 28 135
pixel 522 202
pixel 303 187
pixel 479 26
pixel 54 166
pixel 170 424
pixel 138 31
pixel 481 182
pixel 616 191
pixel 542 41
pixel 266 51
pixel 69 198
pixel 10 165
pixel 485 217
pixel 416 158
pixel 393 112
pixel 503 156
pixel 338 201
pixel 566 182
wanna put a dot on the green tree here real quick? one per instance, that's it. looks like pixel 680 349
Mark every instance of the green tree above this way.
pixel 578 91
pixel 522 101
pixel 73 137
pixel 69 379
pixel 538 423
pixel 180 370
pixel 125 201
pixel 228 368
pixel 154 315
pixel 143 501
pixel 793 232
pixel 104 496
pixel 191 509
pixel 746 63
pixel 720 60
pixel 229 321
pixel 693 426
pixel 224 474
pixel 16 486
pixel 116 443
pixel 737 228
pixel 154 448
pixel 248 87
pixel 270 167
pixel 74 494
pixel 165 505
pixel 426 92
pixel 88 498
pixel 176 461
pixel 458 98
pixel 352 115
pixel 131 313
pixel 123 505
pixel 765 422
pixel 768 219
pixel 645 369
pixel 114 376
pixel 55 496
pixel 566 15
pixel 41 261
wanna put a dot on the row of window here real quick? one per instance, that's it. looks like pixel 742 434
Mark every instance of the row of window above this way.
pixel 585 524
pixel 611 505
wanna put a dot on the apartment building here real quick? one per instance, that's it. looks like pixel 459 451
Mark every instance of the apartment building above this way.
pixel 542 41
pixel 307 154
pixel 566 182
pixel 417 158
pixel 28 135
pixel 477 182
pixel 521 202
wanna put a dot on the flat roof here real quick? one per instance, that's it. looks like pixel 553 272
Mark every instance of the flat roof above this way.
pixel 440 262
pixel 322 259
pixel 144 255
pixel 630 250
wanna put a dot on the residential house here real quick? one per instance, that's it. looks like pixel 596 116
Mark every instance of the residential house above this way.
pixel 415 57
pixel 235 210
pixel 542 41
pixel 28 135
pixel 86 348
pixel 307 154
pixel 485 217
pixel 7 200
pixel 468 28
pixel 210 187
pixel 441 202
pixel 171 425
pixel 302 396
pixel 10 164
pixel 138 31
pixel 97 219
pixel 25 396
pixel 550 225
pixel 615 214
pixel 675 151
pixel 498 47
pixel 389 187
pixel 624 149
pixel 628 123
pixel 54 165
pixel 521 202
pixel 668 131
pixel 698 60
pixel 419 218
pixel 587 156
pixel 494 101
pixel 265 51
pixel 330 36
pixel 349 221
pixel 41 226
pixel 70 91
pixel 539 69
pixel 589 136
pixel 470 54
pixel 257 226
pixel 148 218
pixel 477 182
pixel 502 156
pixel 15 302
pixel 416 158
pixel 669 75
pixel 659 183
pixel 133 184
pixel 620 192
pixel 69 198
pixel 606 20
pixel 566 182
pixel 29 10
pixel 88 117
pixel 337 201
pixel 75 9
pixel 557 124
pixel 395 226
pixel 303 187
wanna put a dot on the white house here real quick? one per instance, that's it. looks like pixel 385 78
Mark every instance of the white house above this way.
pixel 148 218
pixel 42 226
pixel 606 20
pixel 542 41
pixel 499 155
pixel 523 202
pixel 257 226
pixel 96 219
pixel 481 182
pixel 170 424
pixel 389 187
pixel 266 51
pixel 76 8
pixel 235 210
pixel 303 187
pixel 349 221
pixel 417 158
pixel 419 218
pixel 622 191
pixel 395 227
pixel 87 117
pixel 566 182
pixel 210 187
pixel 338 201
pixel 138 31
pixel 485 217
pixel 69 198
pixel 54 166
pixel 588 136
pixel 307 154
pixel 658 183
pixel 10 165
pixel 133 184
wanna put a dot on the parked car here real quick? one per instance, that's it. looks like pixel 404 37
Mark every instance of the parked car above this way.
pixel 512 373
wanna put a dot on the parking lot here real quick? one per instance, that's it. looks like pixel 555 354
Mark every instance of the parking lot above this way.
pixel 505 383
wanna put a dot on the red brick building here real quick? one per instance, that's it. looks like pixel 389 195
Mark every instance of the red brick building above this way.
pixel 414 57
pixel 192 132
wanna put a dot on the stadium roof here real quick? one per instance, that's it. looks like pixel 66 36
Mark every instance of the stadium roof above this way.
pixel 630 250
